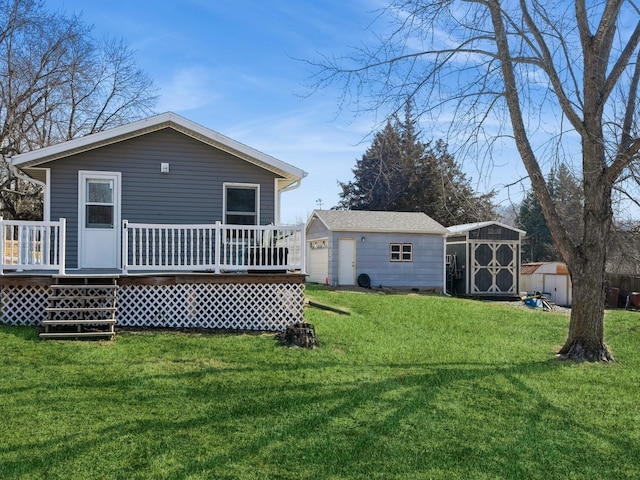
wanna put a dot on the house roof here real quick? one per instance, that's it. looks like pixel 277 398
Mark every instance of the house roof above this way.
pixel 152 124
pixel 366 221
pixel 467 227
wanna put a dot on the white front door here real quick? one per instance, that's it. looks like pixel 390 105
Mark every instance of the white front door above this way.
pixel 346 261
pixel 99 219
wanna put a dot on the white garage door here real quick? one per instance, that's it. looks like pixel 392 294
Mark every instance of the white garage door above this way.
pixel 318 264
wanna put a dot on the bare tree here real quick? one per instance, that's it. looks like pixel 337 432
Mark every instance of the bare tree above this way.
pixel 58 83
pixel 559 78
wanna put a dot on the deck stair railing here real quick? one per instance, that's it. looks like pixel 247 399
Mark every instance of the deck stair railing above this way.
pixel 32 245
pixel 214 247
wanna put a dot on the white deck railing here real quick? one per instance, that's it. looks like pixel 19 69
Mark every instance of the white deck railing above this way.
pixel 215 247
pixel 26 245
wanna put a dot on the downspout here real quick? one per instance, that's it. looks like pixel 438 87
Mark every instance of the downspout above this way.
pixel 288 188
pixel 444 267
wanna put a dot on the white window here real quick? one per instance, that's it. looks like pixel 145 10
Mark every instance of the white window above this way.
pixel 241 203
pixel 99 203
pixel 401 252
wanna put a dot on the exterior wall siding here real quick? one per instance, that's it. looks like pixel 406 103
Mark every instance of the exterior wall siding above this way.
pixel 425 271
pixel 192 191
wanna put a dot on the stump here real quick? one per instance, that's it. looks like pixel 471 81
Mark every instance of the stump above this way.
pixel 300 335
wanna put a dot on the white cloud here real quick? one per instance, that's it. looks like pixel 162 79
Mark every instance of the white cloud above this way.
pixel 187 89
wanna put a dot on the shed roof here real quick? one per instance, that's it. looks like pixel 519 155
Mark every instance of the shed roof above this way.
pixel 367 221
pixel 467 227
pixel 152 124
pixel 529 268
pixel 557 268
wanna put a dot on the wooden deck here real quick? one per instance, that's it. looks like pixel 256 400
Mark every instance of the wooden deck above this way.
pixel 149 278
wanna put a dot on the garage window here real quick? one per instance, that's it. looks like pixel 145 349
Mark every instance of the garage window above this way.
pixel 401 252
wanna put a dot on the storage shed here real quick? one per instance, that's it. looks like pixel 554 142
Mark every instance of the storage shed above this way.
pixel 483 259
pixel 549 278
pixel 389 249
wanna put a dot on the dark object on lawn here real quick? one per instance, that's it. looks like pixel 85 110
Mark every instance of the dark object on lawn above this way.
pixel 328 308
pixel 633 301
pixel 298 334
pixel 364 281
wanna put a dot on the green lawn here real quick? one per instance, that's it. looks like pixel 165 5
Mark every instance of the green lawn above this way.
pixel 406 387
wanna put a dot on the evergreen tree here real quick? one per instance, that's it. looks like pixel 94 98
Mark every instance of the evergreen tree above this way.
pixel 566 192
pixel 377 173
pixel 400 173
pixel 538 244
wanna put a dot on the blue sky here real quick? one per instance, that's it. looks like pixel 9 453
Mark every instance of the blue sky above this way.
pixel 231 66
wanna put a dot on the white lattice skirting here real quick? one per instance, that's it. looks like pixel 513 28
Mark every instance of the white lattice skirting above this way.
pixel 250 306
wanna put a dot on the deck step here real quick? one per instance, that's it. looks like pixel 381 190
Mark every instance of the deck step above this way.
pixel 84 321
pixel 76 334
pixel 81 286
pixel 81 297
pixel 80 309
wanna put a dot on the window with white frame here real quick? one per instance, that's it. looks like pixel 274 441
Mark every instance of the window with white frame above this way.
pixel 401 252
pixel 241 204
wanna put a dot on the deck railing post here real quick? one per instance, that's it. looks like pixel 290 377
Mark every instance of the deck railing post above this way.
pixel 303 249
pixel 217 245
pixel 63 246
pixel 2 245
pixel 125 247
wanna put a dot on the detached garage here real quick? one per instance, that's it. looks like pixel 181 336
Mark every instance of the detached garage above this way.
pixel 388 249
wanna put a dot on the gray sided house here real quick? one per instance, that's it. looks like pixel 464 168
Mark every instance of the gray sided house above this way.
pixel 388 249
pixel 161 170
pixel 483 259
pixel 181 221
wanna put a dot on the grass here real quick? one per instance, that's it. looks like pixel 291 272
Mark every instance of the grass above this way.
pixel 406 387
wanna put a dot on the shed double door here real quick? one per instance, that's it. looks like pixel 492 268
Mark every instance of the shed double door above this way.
pixel 556 285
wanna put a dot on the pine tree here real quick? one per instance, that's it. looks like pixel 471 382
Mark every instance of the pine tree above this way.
pixel 566 192
pixel 538 244
pixel 398 172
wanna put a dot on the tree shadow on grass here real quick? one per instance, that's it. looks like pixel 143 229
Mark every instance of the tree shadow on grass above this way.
pixel 437 420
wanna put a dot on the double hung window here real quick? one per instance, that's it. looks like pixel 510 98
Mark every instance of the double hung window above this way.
pixel 241 204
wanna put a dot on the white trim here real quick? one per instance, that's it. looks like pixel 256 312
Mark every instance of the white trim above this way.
pixel 256 186
pixel 47 196
pixel 467 227
pixel 159 122
pixel 276 202
pixel 117 214
pixel 444 264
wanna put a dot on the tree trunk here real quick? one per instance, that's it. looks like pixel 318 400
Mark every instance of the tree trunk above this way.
pixel 586 328
pixel 587 265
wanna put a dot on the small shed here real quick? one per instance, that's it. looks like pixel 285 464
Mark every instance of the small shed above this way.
pixel 389 249
pixel 483 259
pixel 549 278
